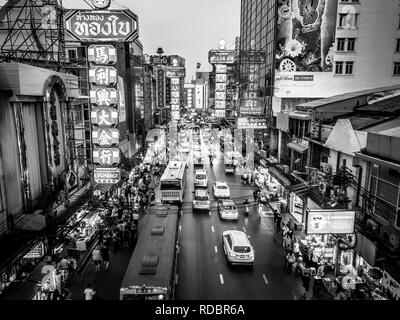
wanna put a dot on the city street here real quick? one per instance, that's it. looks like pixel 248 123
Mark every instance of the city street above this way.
pixel 203 272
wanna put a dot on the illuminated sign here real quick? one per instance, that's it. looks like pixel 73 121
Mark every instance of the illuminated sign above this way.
pixel 161 60
pixel 219 95
pixel 105 137
pixel 107 175
pixel 102 54
pixel 95 26
pixel 104 116
pixel 103 97
pixel 177 72
pixel 106 156
pixel 330 221
pixel 103 76
pixel 252 123
pixel 220 68
pixel 36 252
pixel 221 56
pixel 220 78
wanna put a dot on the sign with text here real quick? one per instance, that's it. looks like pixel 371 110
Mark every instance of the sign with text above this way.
pixel 303 77
pixel 219 113
pixel 160 60
pixel 106 156
pixel 330 221
pixel 221 56
pixel 254 57
pixel 103 76
pixel 36 252
pixel 102 54
pixel 104 116
pixel 103 97
pixel 177 72
pixel 220 78
pixel 107 175
pixel 96 26
pixel 105 137
pixel 220 68
pixel 251 123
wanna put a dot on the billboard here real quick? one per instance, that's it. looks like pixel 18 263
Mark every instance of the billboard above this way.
pixel 95 26
pixel 330 221
pixel 306 35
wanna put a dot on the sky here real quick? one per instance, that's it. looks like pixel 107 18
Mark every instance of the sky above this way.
pixel 189 28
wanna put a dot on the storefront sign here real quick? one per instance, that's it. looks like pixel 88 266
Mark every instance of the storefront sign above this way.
pixel 304 77
pixel 103 76
pixel 36 252
pixel 92 26
pixel 160 60
pixel 221 56
pixel 105 137
pixel 177 72
pixel 107 175
pixel 251 123
pixel 104 116
pixel 103 97
pixel 106 156
pixel 330 221
pixel 102 54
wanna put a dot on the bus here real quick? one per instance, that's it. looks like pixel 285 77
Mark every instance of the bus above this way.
pixel 151 272
pixel 173 181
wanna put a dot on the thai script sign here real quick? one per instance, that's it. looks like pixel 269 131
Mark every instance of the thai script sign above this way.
pixel 104 116
pixel 103 76
pixel 221 56
pixel 95 26
pixel 102 54
pixel 107 175
pixel 330 221
pixel 106 156
pixel 175 73
pixel 162 60
pixel 251 123
pixel 103 97
pixel 254 57
pixel 105 137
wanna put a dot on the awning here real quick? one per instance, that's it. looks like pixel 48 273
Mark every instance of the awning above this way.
pixel 296 146
pixel 279 176
pixel 300 115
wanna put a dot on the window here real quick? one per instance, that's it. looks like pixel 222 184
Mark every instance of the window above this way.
pixel 340 44
pixel 72 54
pixel 342 19
pixel 398 45
pixel 348 20
pixel 339 67
pixel 351 44
pixel 396 70
pixel 349 67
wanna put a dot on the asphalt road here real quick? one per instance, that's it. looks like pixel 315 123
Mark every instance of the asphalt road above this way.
pixel 203 272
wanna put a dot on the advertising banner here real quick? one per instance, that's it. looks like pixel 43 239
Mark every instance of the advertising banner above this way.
pixel 220 86
pixel 330 221
pixel 36 252
pixel 221 56
pixel 104 116
pixel 220 78
pixel 102 54
pixel 220 104
pixel 220 95
pixel 107 175
pixel 255 57
pixel 101 26
pixel 306 35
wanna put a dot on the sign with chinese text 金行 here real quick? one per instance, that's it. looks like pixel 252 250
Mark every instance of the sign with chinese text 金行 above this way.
pixel 330 221
pixel 104 116
pixel 107 175
pixel 103 76
pixel 251 123
pixel 106 156
pixel 97 26
pixel 102 54
pixel 105 137
pixel 221 56
pixel 103 97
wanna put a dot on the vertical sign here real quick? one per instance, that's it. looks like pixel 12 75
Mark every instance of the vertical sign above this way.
pixel 250 104
pixel 161 88
pixel 220 90
pixel 104 96
pixel 175 98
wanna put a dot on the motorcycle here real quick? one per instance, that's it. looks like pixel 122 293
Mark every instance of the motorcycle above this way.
pixel 246 208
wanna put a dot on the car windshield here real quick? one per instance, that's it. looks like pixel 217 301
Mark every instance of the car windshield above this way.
pixel 228 207
pixel 241 249
pixel 201 198
pixel 221 186
pixel 200 176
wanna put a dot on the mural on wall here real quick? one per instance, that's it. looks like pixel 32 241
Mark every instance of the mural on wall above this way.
pixel 306 35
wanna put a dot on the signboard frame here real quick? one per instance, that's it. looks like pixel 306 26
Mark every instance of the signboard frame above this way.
pixel 330 214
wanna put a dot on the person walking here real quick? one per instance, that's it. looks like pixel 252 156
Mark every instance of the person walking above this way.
pixel 290 260
pixel 96 257
pixel 105 256
pixel 89 292
pixel 296 247
pixel 260 210
pixel 278 223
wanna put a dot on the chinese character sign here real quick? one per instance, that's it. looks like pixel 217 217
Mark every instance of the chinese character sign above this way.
pixel 102 54
pixel 105 137
pixel 103 76
pixel 106 156
pixel 103 97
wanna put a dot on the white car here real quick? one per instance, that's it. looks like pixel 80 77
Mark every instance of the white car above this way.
pixel 237 247
pixel 201 200
pixel 227 209
pixel 200 178
pixel 221 190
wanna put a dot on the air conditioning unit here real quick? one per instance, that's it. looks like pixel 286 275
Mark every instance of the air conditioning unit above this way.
pixel 326 167
pixel 285 168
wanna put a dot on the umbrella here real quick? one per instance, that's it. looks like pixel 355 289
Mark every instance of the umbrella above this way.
pixel 375 273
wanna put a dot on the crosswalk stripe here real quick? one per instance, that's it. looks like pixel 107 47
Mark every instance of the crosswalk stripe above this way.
pixel 212 229
pixel 265 279
pixel 221 278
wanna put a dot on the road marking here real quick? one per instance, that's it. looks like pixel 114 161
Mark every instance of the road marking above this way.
pixel 216 249
pixel 176 279
pixel 212 229
pixel 180 228
pixel 265 279
pixel 244 229
pixel 221 278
